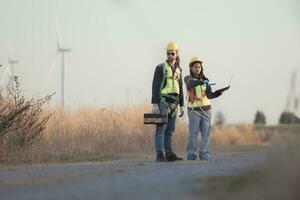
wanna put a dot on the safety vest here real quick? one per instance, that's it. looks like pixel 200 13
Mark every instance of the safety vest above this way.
pixel 197 96
pixel 170 83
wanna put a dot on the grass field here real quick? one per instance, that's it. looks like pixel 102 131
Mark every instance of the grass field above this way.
pixel 96 134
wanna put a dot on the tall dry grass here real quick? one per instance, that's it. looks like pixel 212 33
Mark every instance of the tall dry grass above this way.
pixel 93 134
pixel 238 137
pixel 89 134
pixel 33 133
pixel 99 134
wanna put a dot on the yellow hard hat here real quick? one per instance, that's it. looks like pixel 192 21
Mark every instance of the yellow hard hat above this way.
pixel 195 59
pixel 172 46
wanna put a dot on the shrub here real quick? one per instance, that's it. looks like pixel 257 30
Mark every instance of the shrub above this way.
pixel 21 120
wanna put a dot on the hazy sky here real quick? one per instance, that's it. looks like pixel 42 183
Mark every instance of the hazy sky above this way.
pixel 116 45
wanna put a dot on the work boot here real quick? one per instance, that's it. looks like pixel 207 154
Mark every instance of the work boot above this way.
pixel 172 157
pixel 160 157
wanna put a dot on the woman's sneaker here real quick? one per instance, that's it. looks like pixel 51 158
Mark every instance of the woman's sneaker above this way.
pixel 203 158
pixel 191 157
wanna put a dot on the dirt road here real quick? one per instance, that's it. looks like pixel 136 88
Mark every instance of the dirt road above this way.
pixel 127 179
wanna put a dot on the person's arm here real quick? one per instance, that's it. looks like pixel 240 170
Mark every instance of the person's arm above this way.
pixel 192 82
pixel 210 94
pixel 156 83
pixel 181 99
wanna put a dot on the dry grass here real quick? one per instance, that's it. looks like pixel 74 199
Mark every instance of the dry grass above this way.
pixel 96 134
pixel 90 134
pixel 242 134
pixel 238 138
pixel 100 134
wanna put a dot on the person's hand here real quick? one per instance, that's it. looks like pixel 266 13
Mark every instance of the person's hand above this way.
pixel 181 110
pixel 200 82
pixel 155 108
pixel 208 86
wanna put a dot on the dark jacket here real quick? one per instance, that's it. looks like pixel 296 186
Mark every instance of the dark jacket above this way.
pixel 156 83
pixel 193 81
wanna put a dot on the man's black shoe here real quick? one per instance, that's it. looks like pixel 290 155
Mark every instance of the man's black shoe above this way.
pixel 160 157
pixel 172 157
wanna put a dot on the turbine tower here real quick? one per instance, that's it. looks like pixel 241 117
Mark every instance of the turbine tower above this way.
pixel 12 62
pixel 61 50
pixel 292 101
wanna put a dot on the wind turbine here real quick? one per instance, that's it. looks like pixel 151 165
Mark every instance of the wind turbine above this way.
pixel 12 62
pixel 61 50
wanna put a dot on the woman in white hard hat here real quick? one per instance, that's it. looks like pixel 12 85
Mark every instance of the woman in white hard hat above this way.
pixel 167 93
pixel 199 109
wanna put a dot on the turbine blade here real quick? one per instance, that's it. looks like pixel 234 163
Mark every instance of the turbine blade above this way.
pixel 298 102
pixel 8 71
pixel 50 71
pixel 288 101
pixel 4 75
pixel 230 79
pixel 58 35
pixel 9 55
pixel 293 80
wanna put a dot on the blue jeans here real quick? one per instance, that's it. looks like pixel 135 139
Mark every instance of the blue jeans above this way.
pixel 164 132
pixel 199 121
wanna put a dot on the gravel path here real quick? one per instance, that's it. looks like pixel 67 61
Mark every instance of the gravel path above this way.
pixel 127 179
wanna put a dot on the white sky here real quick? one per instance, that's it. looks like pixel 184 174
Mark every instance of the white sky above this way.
pixel 116 45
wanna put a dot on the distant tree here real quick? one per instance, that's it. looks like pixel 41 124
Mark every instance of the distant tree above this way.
pixel 287 117
pixel 220 118
pixel 260 118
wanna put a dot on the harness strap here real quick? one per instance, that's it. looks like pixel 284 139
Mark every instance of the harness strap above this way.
pixel 171 107
pixel 207 117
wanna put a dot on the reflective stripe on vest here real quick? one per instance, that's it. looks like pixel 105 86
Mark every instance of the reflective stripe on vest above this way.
pixel 172 82
pixel 199 99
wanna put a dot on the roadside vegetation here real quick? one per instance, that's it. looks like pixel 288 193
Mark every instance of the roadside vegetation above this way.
pixel 22 121
pixel 33 132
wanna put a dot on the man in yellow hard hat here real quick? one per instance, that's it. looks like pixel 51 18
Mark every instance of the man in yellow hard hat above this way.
pixel 167 93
